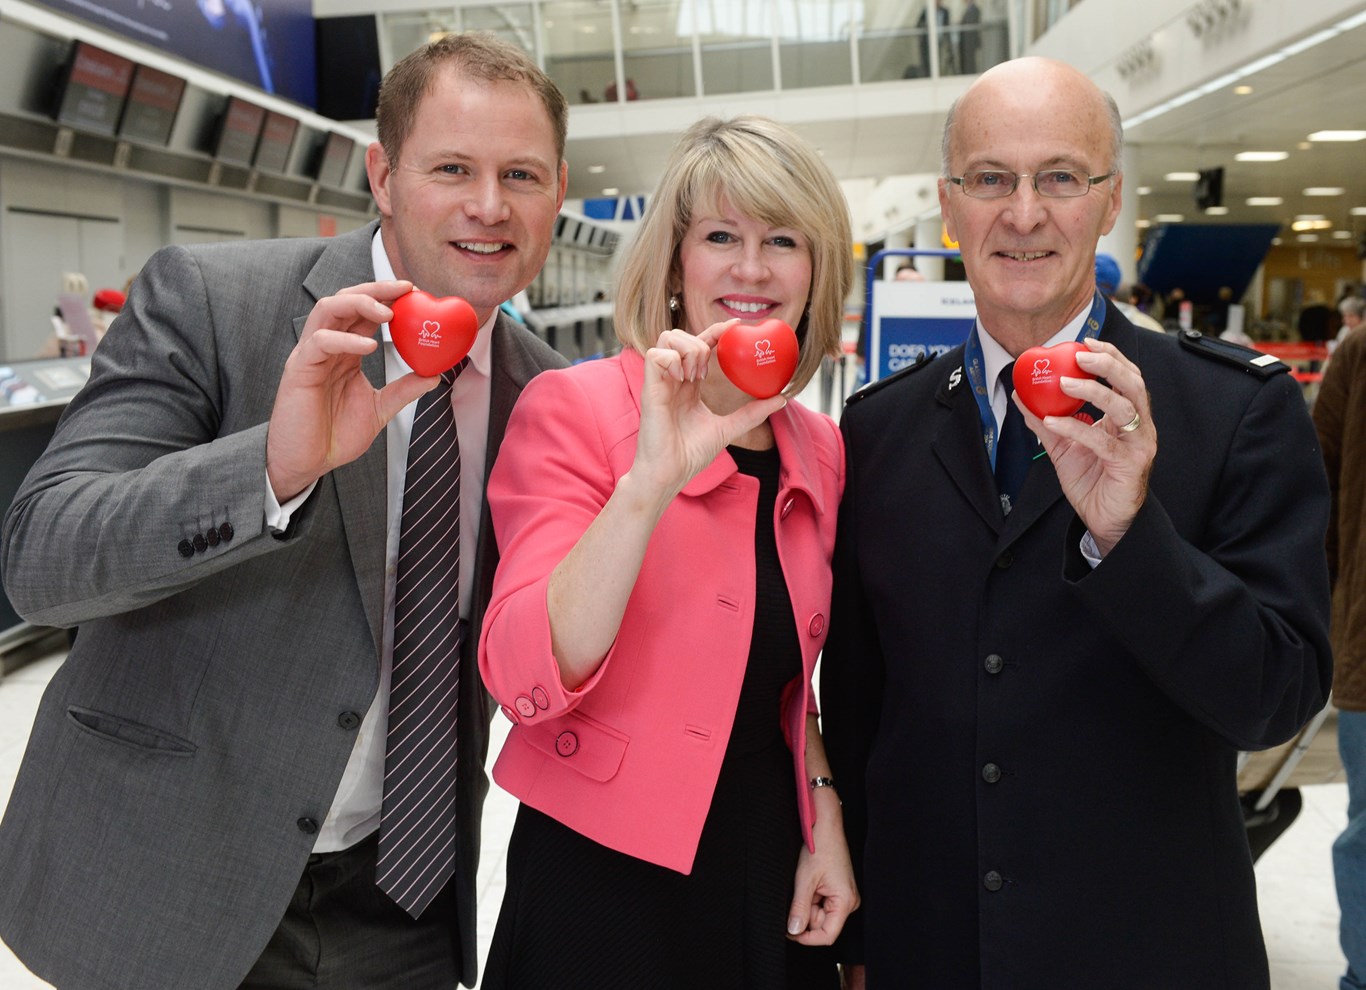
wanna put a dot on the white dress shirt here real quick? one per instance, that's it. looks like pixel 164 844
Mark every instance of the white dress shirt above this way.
pixel 355 809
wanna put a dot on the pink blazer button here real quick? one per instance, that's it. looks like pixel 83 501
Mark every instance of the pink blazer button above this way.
pixel 787 507
pixel 566 743
pixel 817 625
pixel 539 696
pixel 525 706
pixel 512 716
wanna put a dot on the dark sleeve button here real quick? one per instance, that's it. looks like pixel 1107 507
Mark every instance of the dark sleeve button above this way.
pixel 992 881
pixel 186 548
pixel 541 699
pixel 525 706
pixel 226 532
pixel 348 720
pixel 307 826
pixel 1004 561
pixel 212 536
pixel 993 663
pixel 991 773
pixel 566 743
pixel 200 544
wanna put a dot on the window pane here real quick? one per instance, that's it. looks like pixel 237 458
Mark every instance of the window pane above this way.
pixel 813 43
pixel 736 45
pixel 656 52
pixel 578 48
pixel 895 42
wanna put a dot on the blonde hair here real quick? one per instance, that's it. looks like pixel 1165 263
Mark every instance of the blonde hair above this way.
pixel 768 173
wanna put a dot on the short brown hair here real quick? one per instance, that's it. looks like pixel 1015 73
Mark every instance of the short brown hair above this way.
pixel 476 55
pixel 767 172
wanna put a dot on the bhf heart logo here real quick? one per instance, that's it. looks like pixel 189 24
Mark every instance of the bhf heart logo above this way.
pixel 759 358
pixel 1038 373
pixel 433 334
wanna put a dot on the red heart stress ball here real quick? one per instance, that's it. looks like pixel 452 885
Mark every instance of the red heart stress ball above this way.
pixel 758 358
pixel 432 334
pixel 1038 373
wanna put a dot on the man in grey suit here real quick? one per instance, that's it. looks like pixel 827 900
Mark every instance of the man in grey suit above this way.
pixel 219 512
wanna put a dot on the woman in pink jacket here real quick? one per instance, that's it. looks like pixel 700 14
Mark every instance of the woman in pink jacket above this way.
pixel 661 600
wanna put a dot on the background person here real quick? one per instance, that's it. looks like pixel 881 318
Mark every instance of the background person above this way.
pixel 1340 417
pixel 661 602
pixel 219 511
pixel 1043 662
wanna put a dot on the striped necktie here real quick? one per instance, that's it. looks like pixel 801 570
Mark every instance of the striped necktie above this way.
pixel 1015 448
pixel 417 816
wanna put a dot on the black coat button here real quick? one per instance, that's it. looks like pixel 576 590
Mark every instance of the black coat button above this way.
pixel 993 663
pixel 348 720
pixel 1004 561
pixel 186 548
pixel 200 544
pixel 307 826
pixel 212 536
pixel 225 531
pixel 991 773
pixel 992 881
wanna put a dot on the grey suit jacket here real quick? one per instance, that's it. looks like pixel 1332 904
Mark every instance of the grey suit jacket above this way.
pixel 184 753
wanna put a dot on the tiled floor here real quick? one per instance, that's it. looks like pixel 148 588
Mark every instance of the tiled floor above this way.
pixel 1295 877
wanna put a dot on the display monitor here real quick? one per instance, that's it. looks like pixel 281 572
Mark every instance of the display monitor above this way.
pixel 237 134
pixel 277 139
pixel 153 102
pixel 94 85
pixel 335 159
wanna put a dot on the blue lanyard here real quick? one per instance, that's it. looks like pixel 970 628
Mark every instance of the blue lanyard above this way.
pixel 981 389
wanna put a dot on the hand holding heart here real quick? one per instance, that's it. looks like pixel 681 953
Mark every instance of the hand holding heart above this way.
pixel 1102 470
pixel 758 358
pixel 685 420
pixel 326 411
pixel 432 334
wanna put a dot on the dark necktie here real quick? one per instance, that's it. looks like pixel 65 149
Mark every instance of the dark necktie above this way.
pixel 1014 448
pixel 417 816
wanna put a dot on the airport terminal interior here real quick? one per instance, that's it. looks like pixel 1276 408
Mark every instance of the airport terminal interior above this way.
pixel 1244 214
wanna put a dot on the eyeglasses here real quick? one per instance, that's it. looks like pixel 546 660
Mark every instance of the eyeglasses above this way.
pixel 1053 183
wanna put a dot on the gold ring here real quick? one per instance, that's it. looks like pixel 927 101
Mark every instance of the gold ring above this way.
pixel 1132 425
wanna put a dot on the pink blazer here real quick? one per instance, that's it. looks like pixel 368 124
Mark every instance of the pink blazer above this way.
pixel 630 758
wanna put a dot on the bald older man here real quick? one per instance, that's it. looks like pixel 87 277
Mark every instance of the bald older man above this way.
pixel 1046 653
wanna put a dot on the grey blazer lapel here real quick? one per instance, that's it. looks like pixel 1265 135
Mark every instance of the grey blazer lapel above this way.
pixel 361 487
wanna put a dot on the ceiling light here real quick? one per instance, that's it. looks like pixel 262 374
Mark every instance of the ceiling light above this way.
pixel 1242 90
pixel 1307 238
pixel 1337 136
pixel 1182 176
pixel 1169 217
pixel 1261 156
pixel 1304 146
pixel 1311 225
pixel 1358 211
pixel 597 169
pixel 611 191
pixel 1342 235
pixel 1264 201
pixel 1143 224
pixel 1216 211
pixel 1144 190
pixel 1309 216
pixel 1324 191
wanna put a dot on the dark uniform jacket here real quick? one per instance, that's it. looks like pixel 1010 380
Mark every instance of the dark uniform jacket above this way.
pixel 1037 759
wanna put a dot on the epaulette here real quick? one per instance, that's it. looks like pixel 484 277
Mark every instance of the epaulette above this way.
pixel 1226 352
pixel 924 360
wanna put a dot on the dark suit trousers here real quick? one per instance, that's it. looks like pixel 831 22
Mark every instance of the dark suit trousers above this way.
pixel 341 931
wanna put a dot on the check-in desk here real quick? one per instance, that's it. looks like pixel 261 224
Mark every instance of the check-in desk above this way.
pixel 32 397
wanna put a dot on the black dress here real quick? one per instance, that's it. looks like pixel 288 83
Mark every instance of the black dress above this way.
pixel 580 916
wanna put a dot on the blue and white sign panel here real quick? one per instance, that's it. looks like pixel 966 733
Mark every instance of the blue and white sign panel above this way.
pixel 911 319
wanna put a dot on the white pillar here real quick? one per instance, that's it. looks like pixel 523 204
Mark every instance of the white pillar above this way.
pixel 896 239
pixel 927 235
pixel 1122 241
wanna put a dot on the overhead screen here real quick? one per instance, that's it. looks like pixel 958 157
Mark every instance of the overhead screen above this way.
pixel 153 102
pixel 238 131
pixel 266 43
pixel 94 86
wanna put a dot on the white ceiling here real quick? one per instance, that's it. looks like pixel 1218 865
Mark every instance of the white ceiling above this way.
pixel 1322 88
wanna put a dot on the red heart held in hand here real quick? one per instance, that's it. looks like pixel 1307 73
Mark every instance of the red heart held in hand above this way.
pixel 758 358
pixel 1038 373
pixel 432 334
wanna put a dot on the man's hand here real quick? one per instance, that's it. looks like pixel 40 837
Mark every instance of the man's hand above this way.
pixel 1103 467
pixel 326 411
